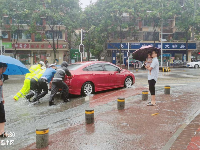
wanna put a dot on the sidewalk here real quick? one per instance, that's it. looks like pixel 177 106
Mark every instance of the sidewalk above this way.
pixel 190 137
pixel 136 127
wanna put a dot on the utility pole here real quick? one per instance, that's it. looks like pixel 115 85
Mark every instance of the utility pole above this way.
pixel 161 64
pixel 1 41
pixel 128 56
pixel 81 46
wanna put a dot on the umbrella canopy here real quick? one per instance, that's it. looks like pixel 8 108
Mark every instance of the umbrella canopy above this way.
pixel 15 67
pixel 142 53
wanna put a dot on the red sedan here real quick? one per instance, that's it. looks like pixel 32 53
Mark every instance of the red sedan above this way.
pixel 90 77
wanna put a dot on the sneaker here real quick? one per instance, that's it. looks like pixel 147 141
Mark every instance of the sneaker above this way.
pixel 67 100
pixel 51 103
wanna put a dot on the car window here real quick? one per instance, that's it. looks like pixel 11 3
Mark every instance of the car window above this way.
pixel 109 67
pixel 95 67
pixel 74 66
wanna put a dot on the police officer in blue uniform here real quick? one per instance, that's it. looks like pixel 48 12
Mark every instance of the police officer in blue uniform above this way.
pixel 44 80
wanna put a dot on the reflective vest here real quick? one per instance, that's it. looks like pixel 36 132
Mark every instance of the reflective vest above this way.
pixel 34 68
pixel 38 75
pixel 30 75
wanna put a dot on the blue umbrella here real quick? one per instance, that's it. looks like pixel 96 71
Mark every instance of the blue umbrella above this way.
pixel 15 67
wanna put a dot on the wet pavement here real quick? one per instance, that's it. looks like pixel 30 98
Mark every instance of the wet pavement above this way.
pixel 133 128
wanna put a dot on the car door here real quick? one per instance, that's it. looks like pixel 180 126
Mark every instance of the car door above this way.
pixel 97 75
pixel 115 77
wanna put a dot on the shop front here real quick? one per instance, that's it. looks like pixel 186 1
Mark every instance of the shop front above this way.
pixel 33 52
pixel 172 52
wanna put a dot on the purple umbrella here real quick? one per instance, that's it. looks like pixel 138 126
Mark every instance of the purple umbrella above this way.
pixel 142 53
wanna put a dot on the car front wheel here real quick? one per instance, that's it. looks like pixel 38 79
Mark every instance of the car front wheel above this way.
pixel 128 82
pixel 87 88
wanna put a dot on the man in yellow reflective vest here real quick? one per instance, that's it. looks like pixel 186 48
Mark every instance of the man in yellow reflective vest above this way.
pixel 34 85
pixel 35 69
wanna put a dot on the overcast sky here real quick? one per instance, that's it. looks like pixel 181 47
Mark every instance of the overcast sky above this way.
pixel 86 2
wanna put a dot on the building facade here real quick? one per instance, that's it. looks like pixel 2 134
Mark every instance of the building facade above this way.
pixel 174 44
pixel 31 48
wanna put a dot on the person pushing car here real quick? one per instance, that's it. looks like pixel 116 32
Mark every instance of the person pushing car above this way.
pixel 34 89
pixel 35 69
pixel 58 83
pixel 44 80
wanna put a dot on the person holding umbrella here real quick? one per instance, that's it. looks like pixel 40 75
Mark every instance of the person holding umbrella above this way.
pixel 8 66
pixel 3 68
pixel 153 76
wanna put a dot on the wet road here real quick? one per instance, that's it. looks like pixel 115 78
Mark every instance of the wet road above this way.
pixel 23 118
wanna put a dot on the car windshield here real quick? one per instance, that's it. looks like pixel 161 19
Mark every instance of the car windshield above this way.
pixel 74 66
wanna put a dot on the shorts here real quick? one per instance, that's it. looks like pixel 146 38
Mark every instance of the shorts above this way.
pixel 2 113
pixel 152 86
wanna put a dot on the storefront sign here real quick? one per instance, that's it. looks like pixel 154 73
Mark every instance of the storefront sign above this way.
pixel 37 46
pixel 47 46
pixel 166 46
pixel 21 45
pixel 7 45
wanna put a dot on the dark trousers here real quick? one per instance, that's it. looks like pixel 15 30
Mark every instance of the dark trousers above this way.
pixel 55 88
pixel 34 89
pixel 43 88
pixel 152 86
pixel 2 113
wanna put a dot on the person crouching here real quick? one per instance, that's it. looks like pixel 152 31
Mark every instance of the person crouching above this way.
pixel 44 80
pixel 58 83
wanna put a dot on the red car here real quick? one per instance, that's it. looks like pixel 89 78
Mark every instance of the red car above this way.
pixel 90 77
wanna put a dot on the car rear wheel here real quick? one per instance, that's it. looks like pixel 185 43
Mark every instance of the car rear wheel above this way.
pixel 87 88
pixel 196 66
pixel 128 82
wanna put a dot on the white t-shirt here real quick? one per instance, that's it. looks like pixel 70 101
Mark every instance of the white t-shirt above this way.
pixel 155 69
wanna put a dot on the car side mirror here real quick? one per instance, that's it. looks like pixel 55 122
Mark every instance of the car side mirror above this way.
pixel 119 70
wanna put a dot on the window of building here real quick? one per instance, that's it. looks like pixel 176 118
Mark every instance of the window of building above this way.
pixel 57 34
pixel 178 35
pixel 178 57
pixel 151 36
pixel 21 35
pixel 38 37
pixel 147 23
pixel 6 20
pixel 4 34
pixel 17 21
pixel 39 22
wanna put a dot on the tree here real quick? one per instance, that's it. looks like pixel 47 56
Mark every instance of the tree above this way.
pixel 188 18
pixel 57 13
pixel 18 11
pixel 107 18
